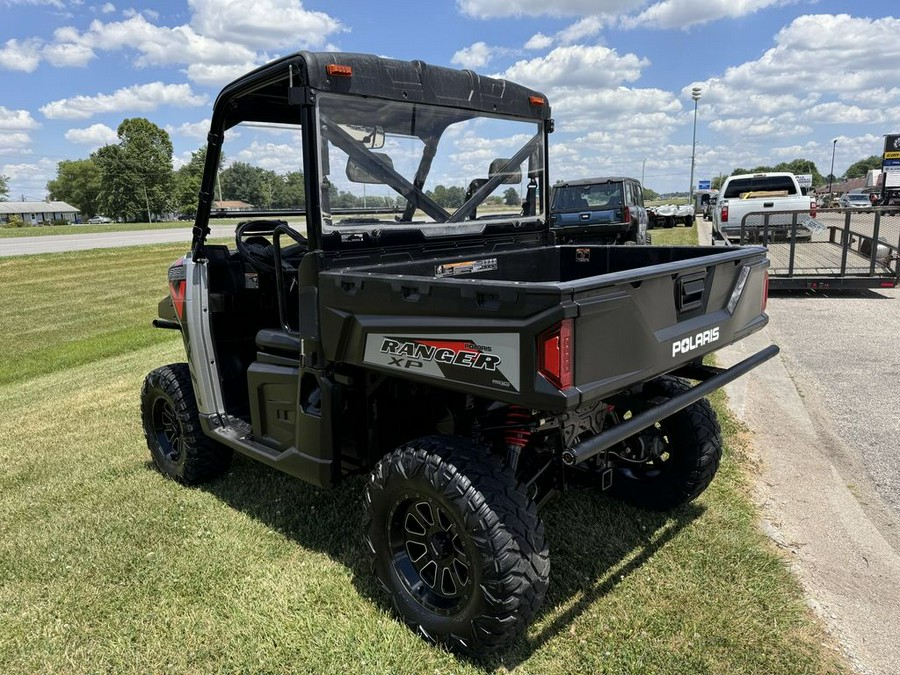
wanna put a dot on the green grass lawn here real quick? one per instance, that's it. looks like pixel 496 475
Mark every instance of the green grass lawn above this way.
pixel 107 566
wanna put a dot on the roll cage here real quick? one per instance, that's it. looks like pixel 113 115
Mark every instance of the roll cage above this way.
pixel 288 91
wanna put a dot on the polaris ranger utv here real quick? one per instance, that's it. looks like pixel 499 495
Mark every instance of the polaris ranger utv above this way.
pixel 436 338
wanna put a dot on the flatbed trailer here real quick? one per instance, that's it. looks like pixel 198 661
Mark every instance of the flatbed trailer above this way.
pixel 839 249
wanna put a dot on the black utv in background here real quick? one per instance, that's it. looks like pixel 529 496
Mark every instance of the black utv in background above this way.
pixel 454 354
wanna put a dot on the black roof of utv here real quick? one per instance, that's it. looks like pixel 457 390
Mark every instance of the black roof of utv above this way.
pixel 266 91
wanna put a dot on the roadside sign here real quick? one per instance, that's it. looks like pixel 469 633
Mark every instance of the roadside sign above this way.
pixel 804 180
pixel 704 184
pixel 892 146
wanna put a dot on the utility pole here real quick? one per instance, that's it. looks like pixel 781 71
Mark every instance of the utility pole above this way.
pixel 695 94
pixel 643 164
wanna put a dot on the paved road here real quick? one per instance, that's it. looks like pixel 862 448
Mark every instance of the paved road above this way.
pixel 61 243
pixel 824 416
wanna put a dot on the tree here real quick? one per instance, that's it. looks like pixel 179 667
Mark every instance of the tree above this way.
pixel 241 182
pixel 861 168
pixel 293 193
pixel 136 174
pixel 4 187
pixel 77 182
pixel 187 181
pixel 795 166
pixel 649 194
pixel 511 197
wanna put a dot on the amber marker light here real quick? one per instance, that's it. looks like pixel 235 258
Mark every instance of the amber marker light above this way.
pixel 337 70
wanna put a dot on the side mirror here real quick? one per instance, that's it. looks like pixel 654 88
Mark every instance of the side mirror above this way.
pixel 357 174
pixel 509 177
pixel 369 137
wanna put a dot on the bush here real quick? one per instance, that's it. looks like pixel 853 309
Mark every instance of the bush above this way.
pixel 14 221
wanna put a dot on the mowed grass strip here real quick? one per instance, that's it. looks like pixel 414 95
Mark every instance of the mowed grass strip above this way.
pixel 60 310
pixel 107 566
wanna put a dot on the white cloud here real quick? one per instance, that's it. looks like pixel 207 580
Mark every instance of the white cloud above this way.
pixel 539 41
pixel 139 98
pixel 14 143
pixel 191 129
pixel 684 13
pixel 94 136
pixel 263 24
pixel 577 66
pixel 213 75
pixel 24 56
pixel 15 126
pixel 108 8
pixel 16 120
pixel 583 28
pixel 68 54
pixel 489 9
pixel 474 56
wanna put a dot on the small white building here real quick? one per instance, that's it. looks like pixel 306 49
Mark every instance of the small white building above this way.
pixel 34 213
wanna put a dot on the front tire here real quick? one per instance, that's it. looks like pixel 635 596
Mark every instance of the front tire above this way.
pixel 177 444
pixel 688 449
pixel 457 543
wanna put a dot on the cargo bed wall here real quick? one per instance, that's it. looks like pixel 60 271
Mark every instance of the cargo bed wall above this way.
pixel 638 312
pixel 545 264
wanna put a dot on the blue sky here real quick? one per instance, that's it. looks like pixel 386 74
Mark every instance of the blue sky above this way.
pixel 781 79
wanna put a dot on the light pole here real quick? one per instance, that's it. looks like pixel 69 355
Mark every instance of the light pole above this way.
pixel 831 174
pixel 643 164
pixel 695 94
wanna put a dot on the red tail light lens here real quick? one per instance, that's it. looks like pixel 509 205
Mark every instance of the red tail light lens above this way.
pixel 765 297
pixel 813 208
pixel 724 215
pixel 626 215
pixel 556 354
pixel 176 290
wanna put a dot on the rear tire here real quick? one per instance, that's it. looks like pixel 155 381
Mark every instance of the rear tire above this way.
pixel 688 458
pixel 178 446
pixel 457 543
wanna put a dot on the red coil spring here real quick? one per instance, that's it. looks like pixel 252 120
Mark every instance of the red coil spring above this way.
pixel 519 417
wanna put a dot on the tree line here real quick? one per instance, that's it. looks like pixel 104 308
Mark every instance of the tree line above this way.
pixel 806 166
pixel 133 180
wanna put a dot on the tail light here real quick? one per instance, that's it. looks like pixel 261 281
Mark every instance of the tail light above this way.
pixel 765 295
pixel 723 216
pixel 626 215
pixel 556 354
pixel 177 286
pixel 813 208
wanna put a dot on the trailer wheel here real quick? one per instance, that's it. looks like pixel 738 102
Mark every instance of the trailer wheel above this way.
pixel 687 447
pixel 178 446
pixel 670 222
pixel 457 543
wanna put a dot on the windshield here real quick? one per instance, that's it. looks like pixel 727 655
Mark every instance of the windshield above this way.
pixel 390 163
pixel 580 197
pixel 739 187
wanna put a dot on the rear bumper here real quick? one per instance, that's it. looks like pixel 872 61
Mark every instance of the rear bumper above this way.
pixel 719 378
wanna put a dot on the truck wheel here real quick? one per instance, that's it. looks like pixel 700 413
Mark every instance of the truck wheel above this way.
pixel 688 447
pixel 177 444
pixel 457 543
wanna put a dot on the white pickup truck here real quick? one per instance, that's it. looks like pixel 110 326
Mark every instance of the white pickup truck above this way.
pixel 760 193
